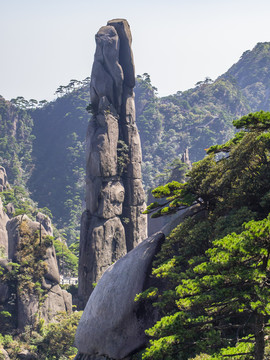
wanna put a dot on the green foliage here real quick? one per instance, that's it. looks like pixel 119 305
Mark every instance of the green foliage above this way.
pixel 58 339
pixel 122 156
pixel 51 341
pixel 16 141
pixel 57 181
pixel 240 178
pixel 67 260
pixel 254 121
pixel 31 253
pixel 216 301
pixel 19 197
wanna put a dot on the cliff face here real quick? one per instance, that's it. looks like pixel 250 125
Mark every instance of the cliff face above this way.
pixel 113 222
pixel 35 288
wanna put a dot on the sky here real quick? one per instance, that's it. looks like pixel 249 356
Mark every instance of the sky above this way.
pixel 46 43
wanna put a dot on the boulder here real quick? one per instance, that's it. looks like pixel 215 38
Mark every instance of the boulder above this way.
pixel 113 324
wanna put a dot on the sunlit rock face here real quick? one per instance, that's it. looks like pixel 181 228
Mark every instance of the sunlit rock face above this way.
pixel 28 302
pixel 112 223
pixel 113 325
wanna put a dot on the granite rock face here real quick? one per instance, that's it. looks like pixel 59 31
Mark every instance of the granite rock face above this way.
pixel 112 324
pixel 28 303
pixel 3 232
pixel 112 223
pixel 45 221
pixel 3 216
pixel 3 179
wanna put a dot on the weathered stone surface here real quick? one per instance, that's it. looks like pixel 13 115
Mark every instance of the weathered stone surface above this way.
pixel 4 354
pixel 101 147
pixel 107 74
pixel 3 232
pixel 126 55
pixel 112 324
pixel 29 308
pixel 3 179
pixel 57 300
pixel 133 228
pixel 111 200
pixel 10 210
pixel 45 221
pixel 13 236
pixel 28 302
pixel 114 189
pixel 101 244
pixel 52 266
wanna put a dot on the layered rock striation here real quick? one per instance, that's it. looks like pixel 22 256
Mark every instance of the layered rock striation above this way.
pixel 112 223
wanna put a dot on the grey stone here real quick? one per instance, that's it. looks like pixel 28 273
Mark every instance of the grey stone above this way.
pixel 29 308
pixel 112 324
pixel 52 266
pixel 3 179
pixel 45 222
pixel 3 232
pixel 111 200
pixel 56 299
pixel 101 244
pixel 101 147
pixel 114 194
pixel 10 210
pixel 4 354
pixel 126 55
pixel 136 227
pixel 107 74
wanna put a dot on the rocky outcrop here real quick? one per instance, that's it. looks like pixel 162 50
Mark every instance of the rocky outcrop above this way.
pixel 4 354
pixel 3 179
pixel 29 302
pixel 45 221
pixel 3 216
pixel 112 223
pixel 113 324
pixel 3 232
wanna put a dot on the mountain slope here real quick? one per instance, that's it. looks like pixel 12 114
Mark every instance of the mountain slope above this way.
pixel 193 119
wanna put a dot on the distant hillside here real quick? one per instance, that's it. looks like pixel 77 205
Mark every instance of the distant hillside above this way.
pixel 57 181
pixel 16 140
pixel 193 119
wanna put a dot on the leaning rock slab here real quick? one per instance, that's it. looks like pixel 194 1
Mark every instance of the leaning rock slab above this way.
pixel 112 324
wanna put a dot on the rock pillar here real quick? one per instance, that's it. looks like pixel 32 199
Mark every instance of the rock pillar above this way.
pixel 112 223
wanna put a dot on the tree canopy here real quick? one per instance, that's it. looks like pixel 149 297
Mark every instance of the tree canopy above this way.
pixel 216 265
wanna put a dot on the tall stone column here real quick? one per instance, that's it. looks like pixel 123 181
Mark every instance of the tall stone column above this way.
pixel 112 223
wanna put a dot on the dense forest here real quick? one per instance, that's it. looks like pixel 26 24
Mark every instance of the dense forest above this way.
pixel 215 264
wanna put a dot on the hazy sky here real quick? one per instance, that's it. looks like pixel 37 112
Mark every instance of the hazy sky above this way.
pixel 45 43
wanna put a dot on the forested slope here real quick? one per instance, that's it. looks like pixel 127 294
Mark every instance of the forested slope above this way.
pixel 215 291
pixel 47 152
